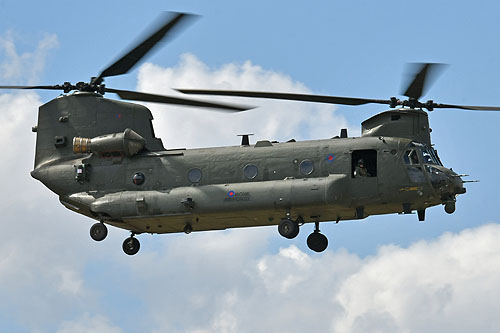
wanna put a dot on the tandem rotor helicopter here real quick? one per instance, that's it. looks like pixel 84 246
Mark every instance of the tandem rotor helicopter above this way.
pixel 102 158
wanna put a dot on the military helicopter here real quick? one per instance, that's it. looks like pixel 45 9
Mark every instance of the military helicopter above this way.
pixel 102 158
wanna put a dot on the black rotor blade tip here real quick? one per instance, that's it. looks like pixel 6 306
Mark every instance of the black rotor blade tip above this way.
pixel 166 28
pixel 421 76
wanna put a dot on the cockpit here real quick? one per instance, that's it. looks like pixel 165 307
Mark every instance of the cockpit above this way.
pixel 424 166
pixel 416 150
pixel 419 158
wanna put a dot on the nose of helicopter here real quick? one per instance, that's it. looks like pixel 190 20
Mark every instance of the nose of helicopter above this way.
pixel 446 182
pixel 454 186
pixel 457 183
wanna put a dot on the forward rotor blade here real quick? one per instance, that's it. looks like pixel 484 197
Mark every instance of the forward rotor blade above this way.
pixel 467 107
pixel 138 96
pixel 421 79
pixel 287 96
pixel 130 59
pixel 393 102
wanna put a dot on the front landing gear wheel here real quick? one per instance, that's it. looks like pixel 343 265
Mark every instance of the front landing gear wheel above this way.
pixel 288 228
pixel 449 207
pixel 98 232
pixel 131 246
pixel 317 242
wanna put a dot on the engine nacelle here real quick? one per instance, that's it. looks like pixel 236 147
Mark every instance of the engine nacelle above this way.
pixel 128 143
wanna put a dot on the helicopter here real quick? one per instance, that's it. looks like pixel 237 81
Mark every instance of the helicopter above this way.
pixel 103 160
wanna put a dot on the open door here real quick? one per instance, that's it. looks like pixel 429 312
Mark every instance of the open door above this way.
pixel 364 170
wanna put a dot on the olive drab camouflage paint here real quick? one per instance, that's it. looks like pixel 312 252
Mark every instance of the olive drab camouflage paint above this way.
pixel 102 158
pixel 154 190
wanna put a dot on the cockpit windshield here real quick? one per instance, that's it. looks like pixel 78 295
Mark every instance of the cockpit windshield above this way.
pixel 429 155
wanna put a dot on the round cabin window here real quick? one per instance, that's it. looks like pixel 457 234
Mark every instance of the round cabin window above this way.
pixel 194 175
pixel 138 178
pixel 306 167
pixel 250 171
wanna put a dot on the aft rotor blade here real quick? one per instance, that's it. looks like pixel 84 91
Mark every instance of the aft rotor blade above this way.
pixel 144 97
pixel 287 96
pixel 421 79
pixel 130 59
pixel 54 87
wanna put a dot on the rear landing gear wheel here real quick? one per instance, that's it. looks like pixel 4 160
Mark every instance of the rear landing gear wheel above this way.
pixel 288 228
pixel 98 232
pixel 131 245
pixel 317 241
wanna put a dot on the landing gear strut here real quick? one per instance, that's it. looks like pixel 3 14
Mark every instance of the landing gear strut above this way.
pixel 317 241
pixel 98 232
pixel 131 245
pixel 288 228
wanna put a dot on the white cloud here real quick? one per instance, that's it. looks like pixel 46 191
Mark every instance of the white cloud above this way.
pixel 90 324
pixel 40 280
pixel 70 282
pixel 273 120
pixel 18 114
pixel 26 67
pixel 450 283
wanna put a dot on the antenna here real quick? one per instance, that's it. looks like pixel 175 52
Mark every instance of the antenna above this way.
pixel 245 141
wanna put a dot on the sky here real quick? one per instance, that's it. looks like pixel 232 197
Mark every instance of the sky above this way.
pixel 384 273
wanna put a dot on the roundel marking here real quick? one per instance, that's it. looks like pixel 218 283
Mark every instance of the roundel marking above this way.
pixel 330 157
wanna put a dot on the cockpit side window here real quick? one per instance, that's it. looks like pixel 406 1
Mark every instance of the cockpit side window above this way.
pixel 411 157
pixel 429 157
